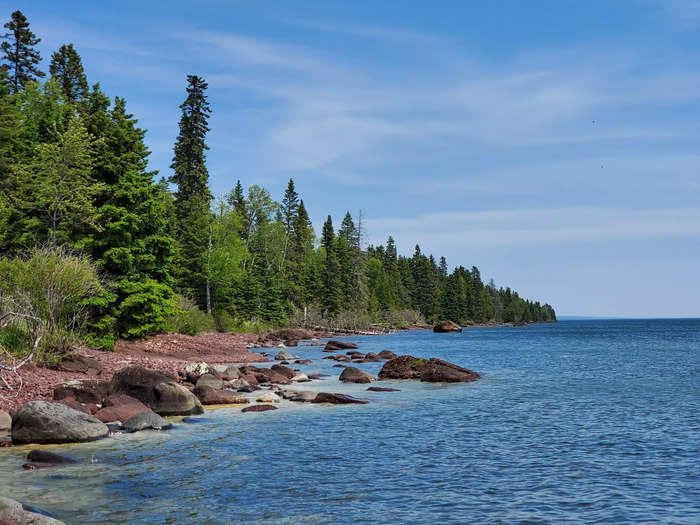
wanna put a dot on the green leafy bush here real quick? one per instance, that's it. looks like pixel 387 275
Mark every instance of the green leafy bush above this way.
pixel 187 319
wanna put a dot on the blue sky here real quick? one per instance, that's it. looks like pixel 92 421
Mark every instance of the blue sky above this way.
pixel 554 144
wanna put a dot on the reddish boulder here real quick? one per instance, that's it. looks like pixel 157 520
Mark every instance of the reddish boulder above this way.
pixel 447 326
pixel 120 407
pixel 404 367
pixel 88 391
pixel 80 364
pixel 439 371
pixel 259 408
pixel 87 408
pixel 211 396
pixel 283 370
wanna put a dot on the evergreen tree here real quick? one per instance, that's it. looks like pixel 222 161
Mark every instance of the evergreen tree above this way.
pixel 332 298
pixel 67 68
pixel 19 54
pixel 193 198
pixel 237 201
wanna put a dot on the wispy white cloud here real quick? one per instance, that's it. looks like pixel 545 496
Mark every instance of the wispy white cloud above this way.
pixel 536 226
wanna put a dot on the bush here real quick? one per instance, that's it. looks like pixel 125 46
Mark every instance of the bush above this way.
pixel 144 309
pixel 223 321
pixel 187 319
pixel 54 288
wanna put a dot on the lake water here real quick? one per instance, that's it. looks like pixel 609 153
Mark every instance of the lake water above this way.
pixel 578 421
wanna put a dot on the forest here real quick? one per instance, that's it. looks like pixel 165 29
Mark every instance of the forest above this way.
pixel 94 243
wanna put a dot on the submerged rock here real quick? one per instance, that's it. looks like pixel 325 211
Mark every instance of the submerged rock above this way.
pixel 447 326
pixel 44 422
pixel 333 346
pixel 146 421
pixel 382 389
pixel 302 396
pixel 13 512
pixel 44 456
pixel 302 362
pixel 259 408
pixel 158 391
pixel 354 375
pixel 338 399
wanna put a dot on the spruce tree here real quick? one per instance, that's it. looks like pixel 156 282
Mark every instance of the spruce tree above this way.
pixel 67 68
pixel 192 198
pixel 19 54
pixel 332 287
pixel 236 199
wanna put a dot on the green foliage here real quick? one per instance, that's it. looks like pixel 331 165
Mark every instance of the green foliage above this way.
pixel 186 318
pixel 67 68
pixel 19 56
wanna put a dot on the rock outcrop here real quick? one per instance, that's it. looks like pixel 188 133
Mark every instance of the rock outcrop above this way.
pixel 334 346
pixel 158 391
pixel 338 399
pixel 431 370
pixel 44 422
pixel 447 326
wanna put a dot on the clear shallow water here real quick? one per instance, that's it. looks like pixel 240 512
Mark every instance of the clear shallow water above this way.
pixel 579 421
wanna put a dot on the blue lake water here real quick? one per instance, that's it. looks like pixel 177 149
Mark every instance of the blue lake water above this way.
pixel 578 421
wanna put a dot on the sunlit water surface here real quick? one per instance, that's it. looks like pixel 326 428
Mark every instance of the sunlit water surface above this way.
pixel 579 421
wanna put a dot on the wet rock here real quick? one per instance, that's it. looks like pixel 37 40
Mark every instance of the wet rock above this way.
pixel 303 362
pixel 114 426
pixel 302 396
pixel 338 399
pixel 339 366
pixel 284 356
pixel 404 367
pixel 156 390
pixel 80 364
pixel 5 422
pixel 355 355
pixel 211 396
pixel 44 456
pixel 382 389
pixel 211 381
pixel 355 375
pixel 447 326
pixel 146 421
pixel 283 370
pixel 259 408
pixel 319 376
pixel 14 513
pixel 300 378
pixel 370 355
pixel 386 354
pixel 315 342
pixel 268 397
pixel 50 422
pixel 439 371
pixel 334 346
pixel 265 375
pixel 120 407
pixel 88 391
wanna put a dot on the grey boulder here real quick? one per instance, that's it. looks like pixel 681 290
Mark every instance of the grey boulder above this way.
pixel 302 396
pixel 46 422
pixel 146 421
pixel 12 511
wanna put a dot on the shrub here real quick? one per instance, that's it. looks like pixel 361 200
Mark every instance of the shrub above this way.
pixel 187 319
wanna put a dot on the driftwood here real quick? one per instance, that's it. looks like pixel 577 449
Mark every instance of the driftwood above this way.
pixel 10 364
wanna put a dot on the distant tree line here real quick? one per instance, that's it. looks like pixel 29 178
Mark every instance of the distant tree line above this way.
pixel 74 174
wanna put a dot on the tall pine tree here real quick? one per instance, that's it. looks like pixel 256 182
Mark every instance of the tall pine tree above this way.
pixel 67 68
pixel 192 198
pixel 19 55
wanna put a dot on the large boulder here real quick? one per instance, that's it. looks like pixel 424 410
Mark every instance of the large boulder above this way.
pixel 264 375
pixel 120 407
pixel 14 513
pixel 338 399
pixel 87 391
pixel 334 346
pixel 439 371
pixel 302 396
pixel 80 364
pixel 447 326
pixel 431 370
pixel 157 390
pixel 385 354
pixel 211 396
pixel 5 422
pixel 211 381
pixel 404 367
pixel 45 422
pixel 231 373
pixel 146 421
pixel 283 370
pixel 351 374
